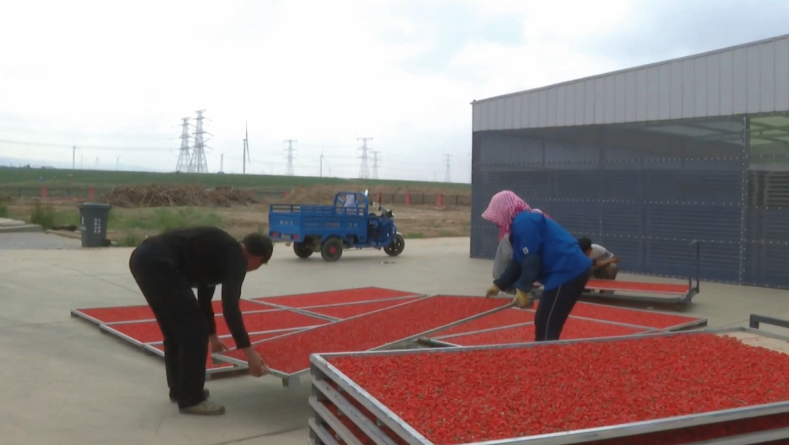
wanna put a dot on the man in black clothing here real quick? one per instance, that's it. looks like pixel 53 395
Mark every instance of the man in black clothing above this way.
pixel 167 267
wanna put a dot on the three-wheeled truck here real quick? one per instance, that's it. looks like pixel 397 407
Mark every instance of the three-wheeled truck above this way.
pixel 330 229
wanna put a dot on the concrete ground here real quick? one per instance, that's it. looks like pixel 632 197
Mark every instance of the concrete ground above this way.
pixel 64 383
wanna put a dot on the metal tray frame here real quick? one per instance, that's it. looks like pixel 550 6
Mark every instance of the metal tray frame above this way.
pixel 79 314
pixel 261 300
pixel 447 341
pixel 697 323
pixel 306 310
pixel 323 370
pixel 293 379
pixel 149 348
pixel 595 320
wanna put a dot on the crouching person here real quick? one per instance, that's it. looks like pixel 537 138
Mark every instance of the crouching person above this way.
pixel 605 265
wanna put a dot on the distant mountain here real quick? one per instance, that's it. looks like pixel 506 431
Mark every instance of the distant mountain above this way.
pixel 37 163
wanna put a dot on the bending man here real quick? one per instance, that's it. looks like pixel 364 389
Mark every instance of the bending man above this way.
pixel 545 252
pixel 166 267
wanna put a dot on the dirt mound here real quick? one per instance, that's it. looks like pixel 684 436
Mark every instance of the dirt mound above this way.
pixel 167 195
pixel 324 194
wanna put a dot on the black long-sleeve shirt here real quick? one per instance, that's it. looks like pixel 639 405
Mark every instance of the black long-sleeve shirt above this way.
pixel 210 256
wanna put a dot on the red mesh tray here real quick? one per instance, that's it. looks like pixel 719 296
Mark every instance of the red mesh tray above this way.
pixel 149 332
pixel 101 315
pixel 636 317
pixel 574 329
pixel 499 319
pixel 344 311
pixel 210 363
pixel 634 286
pixel 335 297
pixel 290 354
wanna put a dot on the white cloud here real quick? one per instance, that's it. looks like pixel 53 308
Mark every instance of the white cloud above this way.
pixel 109 74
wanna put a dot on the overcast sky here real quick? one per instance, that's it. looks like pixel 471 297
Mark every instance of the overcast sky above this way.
pixel 115 78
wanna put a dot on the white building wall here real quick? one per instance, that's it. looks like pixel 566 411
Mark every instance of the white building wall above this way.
pixel 751 78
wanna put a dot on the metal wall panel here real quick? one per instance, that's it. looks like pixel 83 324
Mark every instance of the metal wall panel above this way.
pixel 642 194
pixel 751 78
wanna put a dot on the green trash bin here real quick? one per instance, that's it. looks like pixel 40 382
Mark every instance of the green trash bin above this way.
pixel 93 218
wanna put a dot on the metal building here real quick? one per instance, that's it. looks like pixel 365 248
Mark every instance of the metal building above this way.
pixel 646 160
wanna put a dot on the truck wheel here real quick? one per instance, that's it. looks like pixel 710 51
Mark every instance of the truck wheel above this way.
pixel 302 250
pixel 331 250
pixel 396 247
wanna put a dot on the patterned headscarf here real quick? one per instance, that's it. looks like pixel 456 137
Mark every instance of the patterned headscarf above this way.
pixel 503 208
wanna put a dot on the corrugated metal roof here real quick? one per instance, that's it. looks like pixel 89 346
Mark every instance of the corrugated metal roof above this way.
pixel 745 79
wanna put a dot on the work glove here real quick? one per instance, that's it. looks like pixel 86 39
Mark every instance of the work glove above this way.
pixel 522 299
pixel 492 291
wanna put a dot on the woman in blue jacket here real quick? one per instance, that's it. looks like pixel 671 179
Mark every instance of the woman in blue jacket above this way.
pixel 542 251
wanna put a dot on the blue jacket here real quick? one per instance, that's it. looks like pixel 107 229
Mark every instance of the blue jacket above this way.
pixel 542 251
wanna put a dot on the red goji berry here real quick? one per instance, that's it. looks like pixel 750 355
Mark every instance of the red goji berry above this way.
pixel 143 312
pixel 574 329
pixel 334 297
pixel 149 332
pixel 498 319
pixel 354 309
pixel 630 316
pixel 290 353
pixel 493 394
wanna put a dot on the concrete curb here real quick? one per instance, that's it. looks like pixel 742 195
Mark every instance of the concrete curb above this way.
pixel 21 228
pixel 64 234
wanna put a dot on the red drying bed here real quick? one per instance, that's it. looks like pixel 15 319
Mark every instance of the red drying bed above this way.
pixel 629 316
pixel 496 320
pixel 574 329
pixel 334 297
pixel 230 344
pixel 149 332
pixel 290 354
pixel 351 310
pixel 589 384
pixel 633 286
pixel 143 312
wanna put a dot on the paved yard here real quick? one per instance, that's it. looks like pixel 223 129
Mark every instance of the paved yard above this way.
pixel 64 383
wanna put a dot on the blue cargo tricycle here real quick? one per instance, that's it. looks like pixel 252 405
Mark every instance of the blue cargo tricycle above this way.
pixel 330 229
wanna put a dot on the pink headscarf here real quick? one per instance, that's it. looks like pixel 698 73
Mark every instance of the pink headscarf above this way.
pixel 503 208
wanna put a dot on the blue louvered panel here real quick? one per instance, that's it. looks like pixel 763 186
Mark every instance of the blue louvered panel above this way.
pixel 578 218
pixel 568 152
pixel 622 184
pixel 577 184
pixel 623 219
pixel 500 149
pixel 695 187
pixel 688 222
pixel 719 261
pixel 766 264
pixel 630 251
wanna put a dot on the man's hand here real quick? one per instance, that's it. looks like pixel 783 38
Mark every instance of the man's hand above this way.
pixel 257 368
pixel 217 345
pixel 492 291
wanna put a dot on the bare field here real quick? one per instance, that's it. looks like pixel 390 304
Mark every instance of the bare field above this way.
pixel 129 224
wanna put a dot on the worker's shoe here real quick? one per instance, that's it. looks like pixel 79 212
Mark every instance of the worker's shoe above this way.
pixel 205 391
pixel 204 408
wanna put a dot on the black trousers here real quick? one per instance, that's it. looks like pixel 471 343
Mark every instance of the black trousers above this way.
pixel 183 325
pixel 555 306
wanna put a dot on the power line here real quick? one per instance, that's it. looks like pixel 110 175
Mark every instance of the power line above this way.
pixel 289 157
pixel 375 163
pixel 183 157
pixel 198 162
pixel 364 169
pixel 447 174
